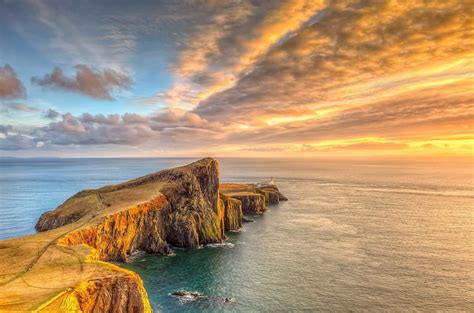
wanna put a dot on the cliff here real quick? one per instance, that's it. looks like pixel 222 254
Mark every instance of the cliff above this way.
pixel 253 199
pixel 233 213
pixel 62 267
pixel 41 275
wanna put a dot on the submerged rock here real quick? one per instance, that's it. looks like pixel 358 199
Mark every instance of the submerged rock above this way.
pixel 186 296
pixel 229 300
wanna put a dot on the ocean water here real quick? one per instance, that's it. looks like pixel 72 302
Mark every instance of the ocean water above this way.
pixel 354 236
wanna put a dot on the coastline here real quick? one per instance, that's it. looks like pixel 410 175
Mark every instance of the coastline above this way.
pixel 184 207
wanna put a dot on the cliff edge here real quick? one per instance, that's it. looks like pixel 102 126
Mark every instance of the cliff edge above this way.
pixel 63 267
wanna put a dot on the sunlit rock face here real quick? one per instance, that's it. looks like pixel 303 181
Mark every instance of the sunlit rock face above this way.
pixel 251 202
pixel 178 207
pixel 254 200
pixel 184 207
pixel 118 293
pixel 272 194
pixel 233 213
pixel 193 215
pixel 119 235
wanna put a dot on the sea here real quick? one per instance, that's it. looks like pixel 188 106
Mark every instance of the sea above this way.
pixel 354 236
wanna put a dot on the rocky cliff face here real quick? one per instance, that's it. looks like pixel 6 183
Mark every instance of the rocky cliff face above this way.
pixel 193 215
pixel 233 213
pixel 179 207
pixel 185 214
pixel 118 293
pixel 252 203
pixel 184 207
pixel 253 199
pixel 272 194
pixel 119 235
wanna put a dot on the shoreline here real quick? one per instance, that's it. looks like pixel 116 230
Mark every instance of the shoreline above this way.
pixel 184 207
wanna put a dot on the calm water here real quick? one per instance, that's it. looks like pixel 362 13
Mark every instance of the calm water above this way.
pixel 354 236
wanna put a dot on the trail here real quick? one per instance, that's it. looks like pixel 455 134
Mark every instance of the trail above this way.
pixel 43 250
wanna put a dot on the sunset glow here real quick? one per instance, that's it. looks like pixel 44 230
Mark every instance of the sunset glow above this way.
pixel 225 78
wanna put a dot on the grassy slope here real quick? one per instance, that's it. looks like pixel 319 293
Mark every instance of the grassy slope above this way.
pixel 34 269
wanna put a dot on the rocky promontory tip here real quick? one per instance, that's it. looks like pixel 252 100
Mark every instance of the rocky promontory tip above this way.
pixel 183 207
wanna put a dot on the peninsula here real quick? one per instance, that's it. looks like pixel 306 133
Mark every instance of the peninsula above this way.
pixel 65 266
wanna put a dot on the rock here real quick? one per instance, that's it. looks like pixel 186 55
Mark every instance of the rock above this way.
pixel 247 220
pixel 50 277
pixel 111 294
pixel 177 207
pixel 233 213
pixel 62 267
pixel 253 199
pixel 121 234
pixel 273 194
pixel 184 295
pixel 229 300
pixel 251 202
pixel 271 197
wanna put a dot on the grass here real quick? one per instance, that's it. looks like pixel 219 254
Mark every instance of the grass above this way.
pixel 35 269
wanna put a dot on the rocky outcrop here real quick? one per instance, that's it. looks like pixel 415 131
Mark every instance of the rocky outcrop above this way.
pixel 272 194
pixel 252 203
pixel 186 213
pixel 62 267
pixel 118 293
pixel 253 199
pixel 193 216
pixel 119 235
pixel 233 213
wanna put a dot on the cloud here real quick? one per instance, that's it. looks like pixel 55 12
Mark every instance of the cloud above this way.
pixel 4 129
pixel 392 71
pixel 51 114
pixel 431 112
pixel 86 81
pixel 227 45
pixel 170 119
pixel 10 85
pixel 374 146
pixel 88 129
pixel 290 75
pixel 166 129
pixel 17 142
pixel 16 106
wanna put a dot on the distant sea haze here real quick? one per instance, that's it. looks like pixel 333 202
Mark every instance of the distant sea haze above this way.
pixel 359 236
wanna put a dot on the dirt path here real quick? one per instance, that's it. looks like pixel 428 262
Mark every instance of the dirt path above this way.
pixel 43 250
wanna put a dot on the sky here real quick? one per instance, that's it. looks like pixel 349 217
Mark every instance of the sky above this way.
pixel 355 78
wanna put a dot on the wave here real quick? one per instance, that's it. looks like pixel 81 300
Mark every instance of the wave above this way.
pixel 220 245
